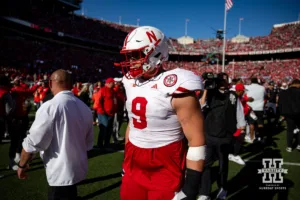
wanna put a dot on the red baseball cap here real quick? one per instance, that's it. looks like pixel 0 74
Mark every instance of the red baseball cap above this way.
pixel 239 87
pixel 109 80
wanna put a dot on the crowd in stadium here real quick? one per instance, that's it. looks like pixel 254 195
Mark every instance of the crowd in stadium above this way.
pixel 200 46
pixel 80 26
pixel 276 70
pixel 27 56
pixel 284 37
pixel 43 57
pixel 77 59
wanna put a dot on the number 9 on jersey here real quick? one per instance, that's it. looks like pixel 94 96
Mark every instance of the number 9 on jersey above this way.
pixel 139 110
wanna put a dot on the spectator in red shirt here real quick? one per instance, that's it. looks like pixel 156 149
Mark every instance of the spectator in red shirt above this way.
pixel 96 101
pixel 24 85
pixel 76 89
pixel 106 110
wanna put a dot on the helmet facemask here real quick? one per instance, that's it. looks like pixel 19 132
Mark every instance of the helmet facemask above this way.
pixel 141 63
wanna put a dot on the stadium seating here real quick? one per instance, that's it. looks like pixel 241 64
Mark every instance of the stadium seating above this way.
pixel 282 37
pixel 84 63
pixel 276 70
pixel 80 26
pixel 286 36
pixel 43 57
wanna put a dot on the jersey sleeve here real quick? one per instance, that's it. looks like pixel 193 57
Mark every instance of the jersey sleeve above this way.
pixel 187 82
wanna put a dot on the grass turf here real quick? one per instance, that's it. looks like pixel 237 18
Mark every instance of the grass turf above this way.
pixel 104 175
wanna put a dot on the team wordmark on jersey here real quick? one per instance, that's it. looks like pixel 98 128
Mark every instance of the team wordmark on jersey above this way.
pixel 170 80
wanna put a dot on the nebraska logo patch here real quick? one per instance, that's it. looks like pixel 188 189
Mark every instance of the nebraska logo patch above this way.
pixel 170 80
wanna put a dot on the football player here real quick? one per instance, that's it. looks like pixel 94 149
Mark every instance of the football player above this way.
pixel 163 110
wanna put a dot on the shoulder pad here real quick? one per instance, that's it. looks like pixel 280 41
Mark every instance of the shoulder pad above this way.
pixel 127 82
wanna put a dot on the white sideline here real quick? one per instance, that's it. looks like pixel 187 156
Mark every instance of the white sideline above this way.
pixel 285 163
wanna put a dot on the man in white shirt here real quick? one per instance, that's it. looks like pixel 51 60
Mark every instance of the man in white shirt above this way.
pixel 63 133
pixel 257 92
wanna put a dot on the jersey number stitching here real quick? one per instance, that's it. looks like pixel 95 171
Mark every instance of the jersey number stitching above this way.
pixel 139 109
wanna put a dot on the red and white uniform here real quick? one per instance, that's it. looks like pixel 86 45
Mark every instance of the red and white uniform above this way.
pixel 155 154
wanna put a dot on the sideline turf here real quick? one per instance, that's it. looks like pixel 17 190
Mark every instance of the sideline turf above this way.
pixel 104 175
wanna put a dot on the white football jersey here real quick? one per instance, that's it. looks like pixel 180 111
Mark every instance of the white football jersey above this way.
pixel 153 121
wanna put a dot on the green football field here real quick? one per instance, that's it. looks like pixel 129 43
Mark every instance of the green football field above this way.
pixel 104 174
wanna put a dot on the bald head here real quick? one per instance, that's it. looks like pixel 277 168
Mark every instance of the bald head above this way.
pixel 61 80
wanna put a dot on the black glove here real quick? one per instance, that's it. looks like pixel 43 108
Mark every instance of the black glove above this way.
pixel 191 185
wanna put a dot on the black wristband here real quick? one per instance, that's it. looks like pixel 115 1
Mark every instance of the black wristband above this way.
pixel 22 167
pixel 191 183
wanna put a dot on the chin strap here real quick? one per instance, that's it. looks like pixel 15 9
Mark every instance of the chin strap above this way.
pixel 153 74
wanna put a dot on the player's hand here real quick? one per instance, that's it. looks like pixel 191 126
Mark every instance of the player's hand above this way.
pixel 22 172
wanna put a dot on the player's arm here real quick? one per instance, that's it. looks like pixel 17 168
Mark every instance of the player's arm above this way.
pixel 39 139
pixel 203 98
pixel 189 115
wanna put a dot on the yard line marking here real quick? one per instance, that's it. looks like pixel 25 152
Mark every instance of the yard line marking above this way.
pixel 285 163
pixel 291 163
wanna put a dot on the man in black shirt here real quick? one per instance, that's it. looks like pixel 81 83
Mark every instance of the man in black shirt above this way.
pixel 222 117
pixel 6 104
pixel 272 97
pixel 289 106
